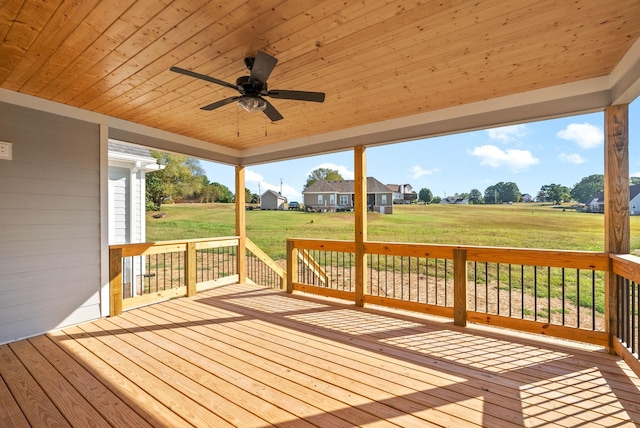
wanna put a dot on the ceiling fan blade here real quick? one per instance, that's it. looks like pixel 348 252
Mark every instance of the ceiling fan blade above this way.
pixel 220 103
pixel 272 113
pixel 262 67
pixel 317 97
pixel 204 77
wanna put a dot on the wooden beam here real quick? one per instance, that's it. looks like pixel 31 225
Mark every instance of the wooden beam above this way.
pixel 616 202
pixel 360 195
pixel 292 265
pixel 460 287
pixel 115 282
pixel 190 265
pixel 241 229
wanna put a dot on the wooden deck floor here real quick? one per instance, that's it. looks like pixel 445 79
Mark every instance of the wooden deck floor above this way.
pixel 252 357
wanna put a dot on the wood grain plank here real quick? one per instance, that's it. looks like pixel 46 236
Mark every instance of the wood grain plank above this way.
pixel 141 402
pixel 299 361
pixel 345 388
pixel 153 376
pixel 35 404
pixel 115 412
pixel 455 352
pixel 65 397
pixel 420 392
pixel 21 33
pixel 172 354
pixel 59 26
pixel 250 378
pixel 319 393
pixel 10 413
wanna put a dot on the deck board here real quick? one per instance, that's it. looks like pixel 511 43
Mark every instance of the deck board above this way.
pixel 246 356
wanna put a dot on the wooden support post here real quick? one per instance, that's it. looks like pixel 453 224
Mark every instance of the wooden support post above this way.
pixel 460 287
pixel 190 268
pixel 241 230
pixel 360 202
pixel 115 282
pixel 616 203
pixel 292 265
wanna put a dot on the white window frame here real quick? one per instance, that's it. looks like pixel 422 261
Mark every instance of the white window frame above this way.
pixel 383 200
pixel 344 200
pixel 332 199
pixel 319 199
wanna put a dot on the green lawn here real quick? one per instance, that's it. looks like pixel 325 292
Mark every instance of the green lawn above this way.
pixel 518 225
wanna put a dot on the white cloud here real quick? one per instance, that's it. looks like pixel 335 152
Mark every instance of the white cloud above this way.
pixel 252 177
pixel 343 170
pixel 585 135
pixel 417 171
pixel 513 159
pixel 571 158
pixel 507 134
pixel 254 180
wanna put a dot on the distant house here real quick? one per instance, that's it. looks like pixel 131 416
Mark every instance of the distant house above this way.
pixel 525 197
pixel 455 200
pixel 402 193
pixel 595 204
pixel 338 195
pixel 271 200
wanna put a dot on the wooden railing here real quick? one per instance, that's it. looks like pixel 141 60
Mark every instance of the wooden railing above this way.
pixel 626 282
pixel 149 272
pixel 551 292
pixel 557 293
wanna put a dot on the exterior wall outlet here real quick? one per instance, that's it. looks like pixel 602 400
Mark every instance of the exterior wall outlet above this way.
pixel 5 151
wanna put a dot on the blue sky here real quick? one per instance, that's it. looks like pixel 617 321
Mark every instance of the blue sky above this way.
pixel 560 151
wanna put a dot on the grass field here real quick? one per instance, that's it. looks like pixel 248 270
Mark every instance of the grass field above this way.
pixel 518 225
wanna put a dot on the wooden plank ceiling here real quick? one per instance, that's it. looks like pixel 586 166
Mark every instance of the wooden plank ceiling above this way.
pixel 375 60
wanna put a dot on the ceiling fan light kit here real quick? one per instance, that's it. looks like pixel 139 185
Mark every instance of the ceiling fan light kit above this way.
pixel 253 88
pixel 252 104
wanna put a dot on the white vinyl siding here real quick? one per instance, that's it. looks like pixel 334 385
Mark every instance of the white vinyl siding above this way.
pixel 49 222
pixel 119 204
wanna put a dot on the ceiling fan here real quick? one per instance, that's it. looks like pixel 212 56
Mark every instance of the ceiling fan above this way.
pixel 253 88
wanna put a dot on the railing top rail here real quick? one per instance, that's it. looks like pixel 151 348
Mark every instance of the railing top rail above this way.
pixel 626 265
pixel 142 248
pixel 590 260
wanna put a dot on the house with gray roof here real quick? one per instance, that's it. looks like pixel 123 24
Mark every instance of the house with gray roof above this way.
pixel 595 204
pixel 338 195
pixel 402 193
pixel 272 200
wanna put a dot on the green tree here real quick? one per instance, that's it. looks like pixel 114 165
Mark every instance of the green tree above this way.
pixel 181 177
pixel 555 193
pixel 436 200
pixel 587 187
pixel 425 195
pixel 634 180
pixel 208 193
pixel 491 195
pixel 223 194
pixel 475 196
pixel 502 192
pixel 248 196
pixel 322 174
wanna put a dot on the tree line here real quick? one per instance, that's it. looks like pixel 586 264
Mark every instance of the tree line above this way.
pixel 508 192
pixel 182 179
